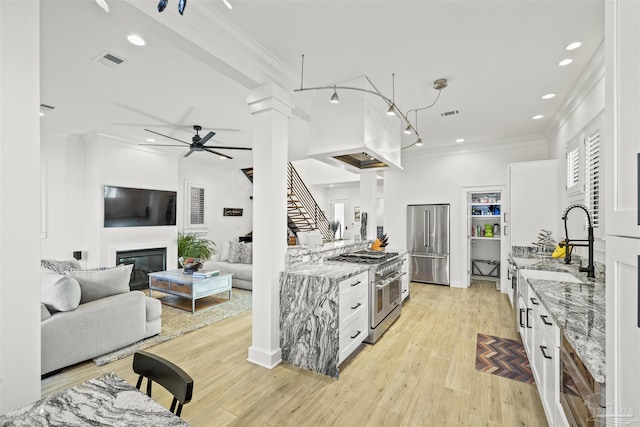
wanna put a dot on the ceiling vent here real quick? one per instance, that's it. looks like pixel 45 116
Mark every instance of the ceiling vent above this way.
pixel 450 113
pixel 110 59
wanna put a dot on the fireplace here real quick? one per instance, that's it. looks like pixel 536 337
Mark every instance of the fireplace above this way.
pixel 144 261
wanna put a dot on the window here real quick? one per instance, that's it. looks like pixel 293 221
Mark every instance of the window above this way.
pixel 573 168
pixel 592 175
pixel 196 206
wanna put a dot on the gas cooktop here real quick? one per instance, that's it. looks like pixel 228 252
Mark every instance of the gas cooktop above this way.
pixel 364 257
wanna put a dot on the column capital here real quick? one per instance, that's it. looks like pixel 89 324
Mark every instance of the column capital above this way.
pixel 270 96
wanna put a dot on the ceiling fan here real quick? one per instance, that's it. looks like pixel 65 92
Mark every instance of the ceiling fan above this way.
pixel 197 143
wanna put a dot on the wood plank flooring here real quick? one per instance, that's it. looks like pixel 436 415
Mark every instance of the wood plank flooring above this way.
pixel 420 373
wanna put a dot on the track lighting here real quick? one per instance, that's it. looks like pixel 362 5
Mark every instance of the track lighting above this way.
pixel 393 109
pixel 334 98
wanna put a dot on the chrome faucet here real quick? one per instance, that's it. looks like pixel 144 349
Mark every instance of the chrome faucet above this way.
pixel 590 270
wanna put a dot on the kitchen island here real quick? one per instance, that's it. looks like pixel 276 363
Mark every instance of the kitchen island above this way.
pixel 321 322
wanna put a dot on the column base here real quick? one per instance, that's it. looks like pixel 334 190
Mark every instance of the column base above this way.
pixel 264 359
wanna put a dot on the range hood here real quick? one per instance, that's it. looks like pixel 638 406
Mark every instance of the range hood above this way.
pixel 356 135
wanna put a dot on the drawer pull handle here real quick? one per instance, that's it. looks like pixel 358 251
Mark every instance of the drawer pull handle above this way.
pixel 357 333
pixel 356 283
pixel 528 326
pixel 533 301
pixel 356 306
pixel 521 321
pixel 544 320
pixel 543 349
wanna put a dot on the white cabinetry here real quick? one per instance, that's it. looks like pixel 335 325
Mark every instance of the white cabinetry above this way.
pixel 541 339
pixel 405 277
pixel 353 312
pixel 622 142
pixel 529 205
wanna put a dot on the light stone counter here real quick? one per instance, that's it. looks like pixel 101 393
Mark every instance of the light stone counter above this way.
pixel 579 310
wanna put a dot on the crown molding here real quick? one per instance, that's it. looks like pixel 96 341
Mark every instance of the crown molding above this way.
pixel 501 144
pixel 592 74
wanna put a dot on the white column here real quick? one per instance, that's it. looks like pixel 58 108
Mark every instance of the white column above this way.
pixel 271 108
pixel 19 203
pixel 368 190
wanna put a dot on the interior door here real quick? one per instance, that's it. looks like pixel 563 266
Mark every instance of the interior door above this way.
pixel 338 213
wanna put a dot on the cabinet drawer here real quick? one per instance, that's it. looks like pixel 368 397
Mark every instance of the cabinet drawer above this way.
pixel 357 282
pixel 352 334
pixel 180 288
pixel 352 303
pixel 212 286
pixel 158 283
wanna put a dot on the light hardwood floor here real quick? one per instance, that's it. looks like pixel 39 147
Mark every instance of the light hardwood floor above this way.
pixel 420 373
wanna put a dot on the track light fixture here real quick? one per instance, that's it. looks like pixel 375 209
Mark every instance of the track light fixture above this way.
pixel 334 98
pixel 393 109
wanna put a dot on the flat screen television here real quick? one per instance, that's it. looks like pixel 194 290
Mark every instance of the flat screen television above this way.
pixel 138 207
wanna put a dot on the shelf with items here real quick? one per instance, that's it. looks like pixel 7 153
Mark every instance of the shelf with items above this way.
pixel 489 198
pixel 484 216
pixel 496 238
pixel 485 210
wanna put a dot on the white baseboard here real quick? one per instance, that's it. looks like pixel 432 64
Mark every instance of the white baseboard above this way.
pixel 264 359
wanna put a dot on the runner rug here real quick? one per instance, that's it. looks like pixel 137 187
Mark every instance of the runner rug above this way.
pixel 177 322
pixel 503 357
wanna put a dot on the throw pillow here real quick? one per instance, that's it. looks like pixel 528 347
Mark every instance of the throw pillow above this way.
pixel 225 251
pixel 58 292
pixel 60 266
pixel 241 253
pixel 101 283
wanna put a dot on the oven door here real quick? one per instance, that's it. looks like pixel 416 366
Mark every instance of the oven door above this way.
pixel 386 295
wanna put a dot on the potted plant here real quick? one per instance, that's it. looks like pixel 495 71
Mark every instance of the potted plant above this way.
pixel 193 250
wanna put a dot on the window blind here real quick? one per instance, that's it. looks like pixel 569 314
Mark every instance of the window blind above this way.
pixel 573 167
pixel 196 206
pixel 592 169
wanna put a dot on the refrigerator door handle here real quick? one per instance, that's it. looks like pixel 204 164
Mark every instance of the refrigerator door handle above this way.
pixel 427 227
pixel 437 256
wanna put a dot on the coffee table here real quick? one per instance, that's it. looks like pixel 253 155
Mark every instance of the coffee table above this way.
pixel 175 282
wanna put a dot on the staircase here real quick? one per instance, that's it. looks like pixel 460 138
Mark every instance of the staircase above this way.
pixel 303 213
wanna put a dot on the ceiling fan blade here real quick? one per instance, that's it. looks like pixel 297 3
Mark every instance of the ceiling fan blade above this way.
pixel 215 152
pixel 205 138
pixel 167 136
pixel 229 148
pixel 163 145
pixel 188 153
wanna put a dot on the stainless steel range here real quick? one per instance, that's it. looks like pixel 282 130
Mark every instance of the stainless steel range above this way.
pixel 385 288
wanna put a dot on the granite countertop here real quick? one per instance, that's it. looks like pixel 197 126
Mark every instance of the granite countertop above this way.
pixel 578 308
pixel 330 269
pixel 104 401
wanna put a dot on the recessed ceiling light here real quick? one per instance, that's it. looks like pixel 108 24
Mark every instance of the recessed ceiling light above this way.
pixel 151 140
pixel 573 45
pixel 41 114
pixel 136 39
pixel 223 157
pixel 538 117
pixel 226 3
pixel 330 185
pixel 460 140
pixel 565 62
pixel 549 96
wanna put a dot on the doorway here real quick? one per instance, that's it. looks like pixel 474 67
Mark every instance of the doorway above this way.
pixel 338 212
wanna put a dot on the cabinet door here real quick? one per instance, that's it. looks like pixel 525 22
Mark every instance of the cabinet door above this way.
pixel 621 125
pixel 623 331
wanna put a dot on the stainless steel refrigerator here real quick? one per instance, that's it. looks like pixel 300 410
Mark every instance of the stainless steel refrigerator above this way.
pixel 428 243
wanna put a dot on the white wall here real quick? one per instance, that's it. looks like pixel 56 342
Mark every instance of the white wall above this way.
pixel 19 204
pixel 438 179
pixel 351 193
pixel 584 106
pixel 78 168
pixel 225 189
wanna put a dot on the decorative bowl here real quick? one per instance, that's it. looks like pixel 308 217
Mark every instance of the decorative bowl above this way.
pixel 190 264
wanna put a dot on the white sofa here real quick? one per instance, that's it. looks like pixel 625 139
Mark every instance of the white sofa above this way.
pixel 235 258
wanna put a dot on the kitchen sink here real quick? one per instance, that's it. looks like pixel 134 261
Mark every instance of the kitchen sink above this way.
pixel 557 276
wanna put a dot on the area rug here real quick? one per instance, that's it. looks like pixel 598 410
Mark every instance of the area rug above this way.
pixel 177 322
pixel 503 357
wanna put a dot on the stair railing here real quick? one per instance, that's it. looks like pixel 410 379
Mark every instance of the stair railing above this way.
pixel 295 186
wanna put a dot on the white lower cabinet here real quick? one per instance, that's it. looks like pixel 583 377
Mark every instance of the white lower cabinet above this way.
pixel 541 339
pixel 353 306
